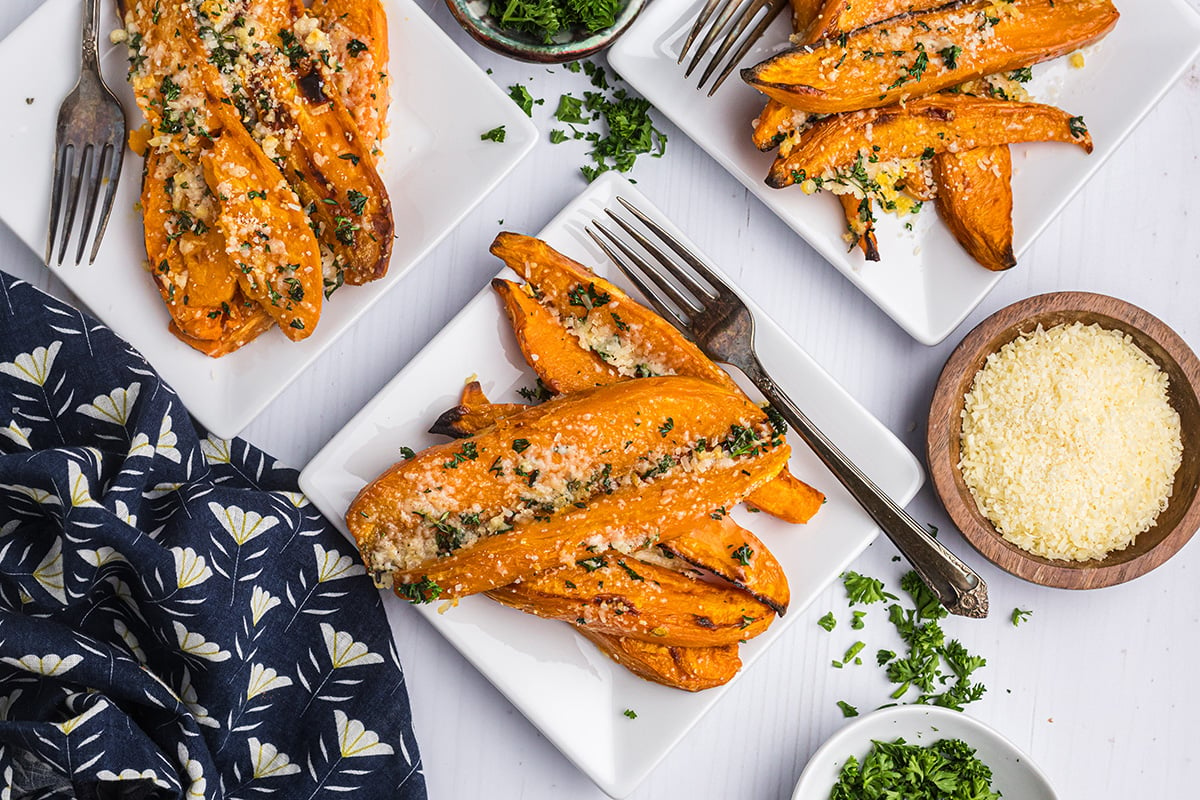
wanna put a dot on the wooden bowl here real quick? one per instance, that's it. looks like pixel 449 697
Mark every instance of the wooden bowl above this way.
pixel 1174 526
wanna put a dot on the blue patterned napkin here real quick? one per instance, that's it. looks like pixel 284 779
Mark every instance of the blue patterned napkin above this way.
pixel 175 619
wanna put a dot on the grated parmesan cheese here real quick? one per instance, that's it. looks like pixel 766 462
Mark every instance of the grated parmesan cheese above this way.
pixel 1069 443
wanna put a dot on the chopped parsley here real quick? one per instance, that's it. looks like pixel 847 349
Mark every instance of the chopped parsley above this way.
pixel 950 56
pixel 666 427
pixel 494 135
pixel 827 622
pixel 847 709
pixel 944 770
pixel 354 47
pixel 629 712
pixel 466 453
pixel 587 298
pixel 743 554
pixel 1020 615
pixel 1077 126
pixel 861 589
pixel 543 19
pixel 357 201
pixel 520 95
pixel 407 453
pixel 423 591
pixel 520 445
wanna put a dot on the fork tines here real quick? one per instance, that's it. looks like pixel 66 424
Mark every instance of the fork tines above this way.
pixel 680 294
pixel 81 173
pixel 733 24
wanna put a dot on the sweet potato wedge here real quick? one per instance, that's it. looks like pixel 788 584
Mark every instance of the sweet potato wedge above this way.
pixel 473 414
pixel 611 322
pixel 358 38
pixel 721 546
pixel 551 350
pixel 975 201
pixel 860 69
pixel 835 17
pixel 925 127
pixel 598 468
pixel 715 543
pixel 860 224
pixel 306 127
pixel 692 669
pixel 621 596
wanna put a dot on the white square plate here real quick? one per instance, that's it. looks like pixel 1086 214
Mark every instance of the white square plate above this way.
pixel 574 694
pixel 436 170
pixel 925 282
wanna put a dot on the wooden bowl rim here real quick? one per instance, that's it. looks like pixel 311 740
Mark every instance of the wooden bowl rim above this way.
pixel 948 397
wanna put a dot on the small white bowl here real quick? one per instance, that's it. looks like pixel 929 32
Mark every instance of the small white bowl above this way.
pixel 1014 775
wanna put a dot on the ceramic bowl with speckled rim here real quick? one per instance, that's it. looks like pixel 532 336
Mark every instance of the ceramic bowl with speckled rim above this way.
pixel 475 18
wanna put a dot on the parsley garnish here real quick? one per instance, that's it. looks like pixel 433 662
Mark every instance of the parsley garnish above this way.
pixel 587 298
pixel 545 18
pixel 1078 128
pixel 827 622
pixel 357 201
pixel 520 445
pixel 950 56
pixel 467 453
pixel 1020 615
pixel 592 564
pixel 861 589
pixel 407 452
pixel 666 427
pixel 847 709
pixel 494 135
pixel 520 95
pixel 629 712
pixel 355 46
pixel 423 591
pixel 743 554
pixel 945 770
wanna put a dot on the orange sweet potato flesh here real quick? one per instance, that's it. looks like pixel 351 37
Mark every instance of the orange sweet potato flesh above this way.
pixel 325 158
pixel 692 669
pixel 714 543
pixel 558 279
pixel 831 77
pixel 473 414
pixel 814 20
pixel 621 596
pixel 860 224
pixel 975 201
pixel 362 80
pixel 537 489
pixel 728 550
pixel 937 124
pixel 561 364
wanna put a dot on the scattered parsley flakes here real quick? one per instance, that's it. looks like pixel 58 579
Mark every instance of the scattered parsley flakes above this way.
pixel 543 19
pixel 857 623
pixel 570 109
pixel 1077 126
pixel 407 452
pixel 521 96
pixel 629 712
pixel 557 136
pixel 827 622
pixel 423 591
pixel 847 709
pixel 1020 615
pixel 743 554
pixel 861 589
pixel 494 135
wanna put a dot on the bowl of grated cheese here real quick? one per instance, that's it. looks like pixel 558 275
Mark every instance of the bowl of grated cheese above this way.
pixel 1064 440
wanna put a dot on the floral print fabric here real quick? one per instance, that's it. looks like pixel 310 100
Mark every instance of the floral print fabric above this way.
pixel 176 620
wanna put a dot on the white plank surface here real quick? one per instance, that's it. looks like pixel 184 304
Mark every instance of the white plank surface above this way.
pixel 1097 686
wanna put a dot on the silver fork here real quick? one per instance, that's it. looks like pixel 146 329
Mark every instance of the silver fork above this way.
pixel 733 28
pixel 88 151
pixel 698 302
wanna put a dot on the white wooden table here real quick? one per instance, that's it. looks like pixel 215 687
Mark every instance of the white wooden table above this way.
pixel 1099 686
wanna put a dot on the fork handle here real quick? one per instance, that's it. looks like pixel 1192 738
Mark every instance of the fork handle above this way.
pixel 88 47
pixel 957 586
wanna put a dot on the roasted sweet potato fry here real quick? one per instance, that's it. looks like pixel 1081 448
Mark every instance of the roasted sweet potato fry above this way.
pixel 636 340
pixel 860 69
pixel 473 414
pixel 860 224
pixel 835 17
pixel 561 363
pixel 692 669
pixel 621 596
pixel 596 468
pixel 358 38
pixel 975 201
pixel 931 125
pixel 721 546
pixel 715 543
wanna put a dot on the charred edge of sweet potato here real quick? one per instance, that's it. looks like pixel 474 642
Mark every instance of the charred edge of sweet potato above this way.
pixel 692 669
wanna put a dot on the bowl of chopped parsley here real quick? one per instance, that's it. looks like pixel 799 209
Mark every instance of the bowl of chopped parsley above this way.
pixel 921 752
pixel 545 31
